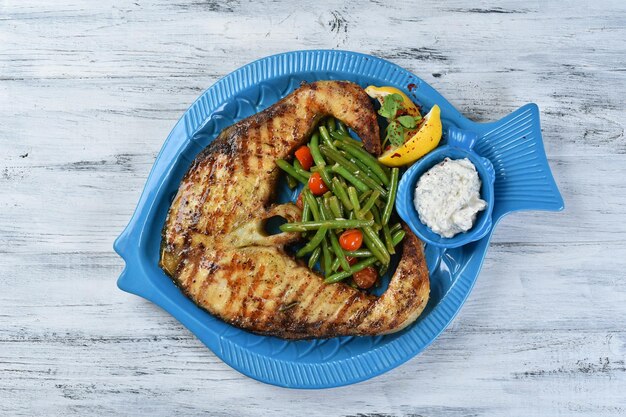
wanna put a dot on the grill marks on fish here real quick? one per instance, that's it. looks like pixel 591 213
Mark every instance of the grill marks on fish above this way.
pixel 216 252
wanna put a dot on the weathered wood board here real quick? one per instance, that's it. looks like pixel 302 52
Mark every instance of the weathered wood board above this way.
pixel 90 89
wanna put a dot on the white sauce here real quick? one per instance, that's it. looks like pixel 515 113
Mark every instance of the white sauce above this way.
pixel 447 197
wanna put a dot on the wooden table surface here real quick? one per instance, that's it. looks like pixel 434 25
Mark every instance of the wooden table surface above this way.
pixel 89 91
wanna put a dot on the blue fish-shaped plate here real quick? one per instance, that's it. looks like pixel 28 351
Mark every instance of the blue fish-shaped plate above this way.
pixel 523 182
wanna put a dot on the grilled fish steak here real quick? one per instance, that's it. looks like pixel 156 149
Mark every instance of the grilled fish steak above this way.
pixel 216 250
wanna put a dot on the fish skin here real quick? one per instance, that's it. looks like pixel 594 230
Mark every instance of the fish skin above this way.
pixel 215 249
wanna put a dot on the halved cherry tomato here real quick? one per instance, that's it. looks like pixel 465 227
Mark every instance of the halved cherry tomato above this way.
pixel 299 202
pixel 304 157
pixel 351 239
pixel 365 278
pixel 316 184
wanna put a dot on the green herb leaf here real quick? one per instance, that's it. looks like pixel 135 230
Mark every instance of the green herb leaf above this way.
pixel 391 104
pixel 408 122
pixel 395 133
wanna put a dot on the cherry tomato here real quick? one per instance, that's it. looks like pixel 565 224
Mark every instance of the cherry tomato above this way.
pixel 316 184
pixel 299 202
pixel 365 278
pixel 351 239
pixel 304 157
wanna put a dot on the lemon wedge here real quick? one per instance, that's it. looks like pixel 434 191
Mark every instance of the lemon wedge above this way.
pixel 379 93
pixel 424 140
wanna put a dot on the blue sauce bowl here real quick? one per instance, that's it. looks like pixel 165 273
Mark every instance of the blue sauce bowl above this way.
pixel 460 144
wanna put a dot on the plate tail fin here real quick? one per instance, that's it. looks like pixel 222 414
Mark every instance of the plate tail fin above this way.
pixel 523 177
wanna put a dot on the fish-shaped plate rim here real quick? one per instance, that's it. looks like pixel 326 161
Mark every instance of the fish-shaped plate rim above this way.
pixel 523 182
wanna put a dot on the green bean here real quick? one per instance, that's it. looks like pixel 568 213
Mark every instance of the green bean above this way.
pixel 360 253
pixel 354 199
pixel 289 169
pixel 315 150
pixel 382 270
pixel 335 207
pixel 346 138
pixel 395 228
pixel 354 269
pixel 306 212
pixel 366 158
pixel 335 266
pixel 298 167
pixel 376 214
pixel 326 137
pixel 374 244
pixel 328 224
pixel 370 202
pixel 364 169
pixel 315 257
pixel 306 209
pixel 340 192
pixel 388 240
pixel 370 237
pixel 327 255
pixel 338 251
pixel 393 188
pixel 371 183
pixel 327 260
pixel 315 210
pixel 324 207
pixel 338 169
pixel 334 243
pixel 330 124
pixel 336 156
pixel 353 168
pixel 326 177
pixel 315 241
pixel 341 127
pixel 397 237
pixel 292 182
pixel 325 212
pixel 363 196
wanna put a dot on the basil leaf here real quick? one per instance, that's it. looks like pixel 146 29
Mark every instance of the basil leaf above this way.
pixel 407 121
pixel 395 134
pixel 391 104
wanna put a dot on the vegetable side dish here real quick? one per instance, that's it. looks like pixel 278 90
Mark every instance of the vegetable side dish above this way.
pixel 347 203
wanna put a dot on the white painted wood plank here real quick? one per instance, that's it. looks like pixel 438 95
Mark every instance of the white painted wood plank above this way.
pixel 89 91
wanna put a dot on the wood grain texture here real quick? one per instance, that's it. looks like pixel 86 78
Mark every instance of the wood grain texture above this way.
pixel 89 91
